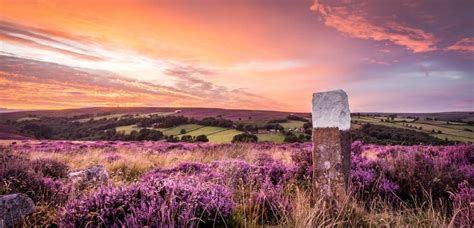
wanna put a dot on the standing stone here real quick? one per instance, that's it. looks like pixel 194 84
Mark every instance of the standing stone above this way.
pixel 13 208
pixel 331 144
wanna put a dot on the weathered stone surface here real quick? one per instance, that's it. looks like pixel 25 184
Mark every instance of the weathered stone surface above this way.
pixel 331 109
pixel 13 208
pixel 332 161
pixel 93 176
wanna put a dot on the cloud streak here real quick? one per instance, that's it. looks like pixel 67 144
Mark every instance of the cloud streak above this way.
pixel 353 20
pixel 43 39
pixel 76 86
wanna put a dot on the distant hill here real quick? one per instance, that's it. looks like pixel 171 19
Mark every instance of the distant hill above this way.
pixel 198 113
pixel 5 110
pixel 442 116
pixel 92 123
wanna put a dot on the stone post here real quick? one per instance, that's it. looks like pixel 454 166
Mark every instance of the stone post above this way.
pixel 331 145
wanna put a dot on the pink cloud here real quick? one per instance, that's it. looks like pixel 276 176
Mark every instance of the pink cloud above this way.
pixel 353 20
pixel 465 45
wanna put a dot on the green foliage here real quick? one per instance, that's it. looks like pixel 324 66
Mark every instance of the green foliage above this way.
pixel 292 138
pixel 201 138
pixel 245 138
pixel 383 135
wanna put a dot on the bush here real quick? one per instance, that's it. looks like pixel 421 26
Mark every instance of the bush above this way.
pixel 17 176
pixel 186 138
pixel 50 168
pixel 172 202
pixel 383 135
pixel 201 138
pixel 245 138
pixel 291 138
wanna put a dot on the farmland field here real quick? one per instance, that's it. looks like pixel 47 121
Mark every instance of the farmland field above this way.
pixel 177 130
pixel 237 185
pixel 292 124
pixel 271 137
pixel 440 129
pixel 127 129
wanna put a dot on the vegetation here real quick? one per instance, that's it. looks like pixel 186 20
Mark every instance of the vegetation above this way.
pixel 245 138
pixel 382 135
pixel 239 185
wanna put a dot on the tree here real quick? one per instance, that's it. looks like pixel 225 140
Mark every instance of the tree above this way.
pixel 201 138
pixel 291 138
pixel 186 138
pixel 172 138
pixel 245 138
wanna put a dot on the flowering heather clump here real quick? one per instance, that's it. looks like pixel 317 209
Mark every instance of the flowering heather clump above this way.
pixel 368 178
pixel 463 202
pixel 18 176
pixel 241 185
pixel 303 160
pixel 268 204
pixel 183 201
pixel 50 168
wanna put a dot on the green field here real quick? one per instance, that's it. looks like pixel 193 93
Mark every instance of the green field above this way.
pixel 177 130
pixel 223 136
pixel 271 137
pixel 206 131
pixel 292 124
pixel 452 131
pixel 127 129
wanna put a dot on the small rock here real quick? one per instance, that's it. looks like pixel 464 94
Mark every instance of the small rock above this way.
pixel 331 109
pixel 93 176
pixel 13 208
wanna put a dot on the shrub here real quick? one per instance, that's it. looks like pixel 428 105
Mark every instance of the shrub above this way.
pixel 464 208
pixel 50 168
pixel 245 138
pixel 269 205
pixel 17 176
pixel 201 138
pixel 186 138
pixel 292 138
pixel 176 202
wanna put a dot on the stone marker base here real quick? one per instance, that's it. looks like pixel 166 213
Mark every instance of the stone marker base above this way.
pixel 331 163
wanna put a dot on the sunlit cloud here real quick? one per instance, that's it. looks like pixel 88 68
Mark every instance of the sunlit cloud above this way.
pixel 464 45
pixel 242 54
pixel 353 19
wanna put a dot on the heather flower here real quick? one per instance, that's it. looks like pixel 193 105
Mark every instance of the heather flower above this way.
pixel 157 202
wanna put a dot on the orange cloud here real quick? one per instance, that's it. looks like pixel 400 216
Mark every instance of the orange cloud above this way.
pixel 353 20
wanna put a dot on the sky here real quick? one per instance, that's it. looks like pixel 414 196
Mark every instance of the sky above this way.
pixel 388 55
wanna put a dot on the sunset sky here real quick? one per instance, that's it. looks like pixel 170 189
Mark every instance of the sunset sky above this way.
pixel 389 56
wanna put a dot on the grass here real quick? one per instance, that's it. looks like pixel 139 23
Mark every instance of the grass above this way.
pixel 177 130
pixel 271 137
pixel 131 164
pixel 127 129
pixel 223 136
pixel 292 124
pixel 206 131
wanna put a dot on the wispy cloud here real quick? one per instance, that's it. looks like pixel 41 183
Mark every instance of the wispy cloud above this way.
pixel 45 39
pixel 75 87
pixel 464 45
pixel 353 19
